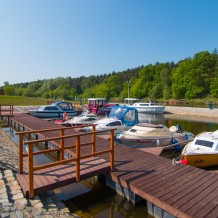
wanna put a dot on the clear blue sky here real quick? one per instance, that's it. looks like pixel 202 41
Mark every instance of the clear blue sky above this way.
pixel 43 39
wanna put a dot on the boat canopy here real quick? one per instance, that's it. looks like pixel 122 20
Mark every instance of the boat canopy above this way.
pixel 128 115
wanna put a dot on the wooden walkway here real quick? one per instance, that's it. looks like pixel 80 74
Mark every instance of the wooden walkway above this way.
pixel 55 177
pixel 181 190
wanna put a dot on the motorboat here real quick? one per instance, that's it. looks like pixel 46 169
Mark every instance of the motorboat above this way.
pixel 201 152
pixel 144 135
pixel 57 109
pixel 86 117
pixel 99 106
pixel 149 107
pixel 120 118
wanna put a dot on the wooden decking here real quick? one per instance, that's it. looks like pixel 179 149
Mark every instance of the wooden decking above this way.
pixel 183 191
pixel 55 177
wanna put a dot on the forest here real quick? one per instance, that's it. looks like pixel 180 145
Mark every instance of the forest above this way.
pixel 191 78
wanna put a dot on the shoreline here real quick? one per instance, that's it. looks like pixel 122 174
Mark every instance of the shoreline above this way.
pixel 193 111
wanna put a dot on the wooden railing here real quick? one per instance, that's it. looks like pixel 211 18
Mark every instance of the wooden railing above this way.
pixel 6 110
pixel 61 149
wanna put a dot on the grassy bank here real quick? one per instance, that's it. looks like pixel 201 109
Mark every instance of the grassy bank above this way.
pixel 21 100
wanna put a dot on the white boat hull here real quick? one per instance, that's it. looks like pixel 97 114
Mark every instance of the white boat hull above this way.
pixel 50 114
pixel 150 110
pixel 154 139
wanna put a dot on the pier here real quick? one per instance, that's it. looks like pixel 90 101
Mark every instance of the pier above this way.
pixel 170 190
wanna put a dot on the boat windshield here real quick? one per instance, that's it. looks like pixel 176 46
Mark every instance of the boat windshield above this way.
pixel 48 108
pixel 205 143
pixel 65 105
pixel 117 112
pixel 128 116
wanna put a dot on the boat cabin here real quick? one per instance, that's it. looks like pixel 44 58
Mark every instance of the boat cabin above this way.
pixel 95 104
pixel 99 106
pixel 130 101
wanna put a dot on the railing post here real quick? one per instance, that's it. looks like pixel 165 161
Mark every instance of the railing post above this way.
pixel 77 158
pixel 61 145
pixel 30 167
pixel 21 136
pixel 112 150
pixel 12 109
pixel 93 140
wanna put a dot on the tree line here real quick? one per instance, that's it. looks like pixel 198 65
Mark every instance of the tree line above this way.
pixel 191 78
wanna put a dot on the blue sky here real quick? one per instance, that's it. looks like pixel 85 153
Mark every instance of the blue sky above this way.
pixel 43 39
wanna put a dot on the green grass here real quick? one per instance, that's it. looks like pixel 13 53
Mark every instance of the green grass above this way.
pixel 21 100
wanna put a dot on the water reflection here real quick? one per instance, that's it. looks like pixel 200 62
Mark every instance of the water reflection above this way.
pixel 194 124
pixel 100 201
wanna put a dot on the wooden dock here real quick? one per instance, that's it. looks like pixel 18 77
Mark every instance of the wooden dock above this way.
pixel 58 176
pixel 180 190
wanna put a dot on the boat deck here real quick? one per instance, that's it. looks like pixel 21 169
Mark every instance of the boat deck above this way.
pixel 181 190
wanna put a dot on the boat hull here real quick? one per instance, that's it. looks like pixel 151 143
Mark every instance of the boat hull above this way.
pixel 151 141
pixel 201 160
pixel 150 110
pixel 50 114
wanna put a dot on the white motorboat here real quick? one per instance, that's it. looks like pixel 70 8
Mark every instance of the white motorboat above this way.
pixel 144 135
pixel 86 117
pixel 201 152
pixel 149 108
pixel 58 109
pixel 120 118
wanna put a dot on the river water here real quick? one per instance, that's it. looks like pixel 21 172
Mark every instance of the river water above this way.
pixel 95 199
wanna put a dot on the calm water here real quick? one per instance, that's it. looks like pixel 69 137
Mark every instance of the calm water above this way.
pixel 94 199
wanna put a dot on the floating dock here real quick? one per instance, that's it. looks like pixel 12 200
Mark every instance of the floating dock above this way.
pixel 170 190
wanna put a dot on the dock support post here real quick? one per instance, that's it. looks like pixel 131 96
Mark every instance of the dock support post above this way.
pixel 157 212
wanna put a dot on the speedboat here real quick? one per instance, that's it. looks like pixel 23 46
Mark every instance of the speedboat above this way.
pixel 144 135
pixel 120 118
pixel 201 152
pixel 149 108
pixel 86 117
pixel 57 109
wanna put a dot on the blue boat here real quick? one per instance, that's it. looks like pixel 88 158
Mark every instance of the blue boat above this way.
pixel 58 109
pixel 120 118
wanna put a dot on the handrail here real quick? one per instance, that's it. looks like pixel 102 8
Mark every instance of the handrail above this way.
pixel 62 148
pixel 2 109
pixel 23 133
